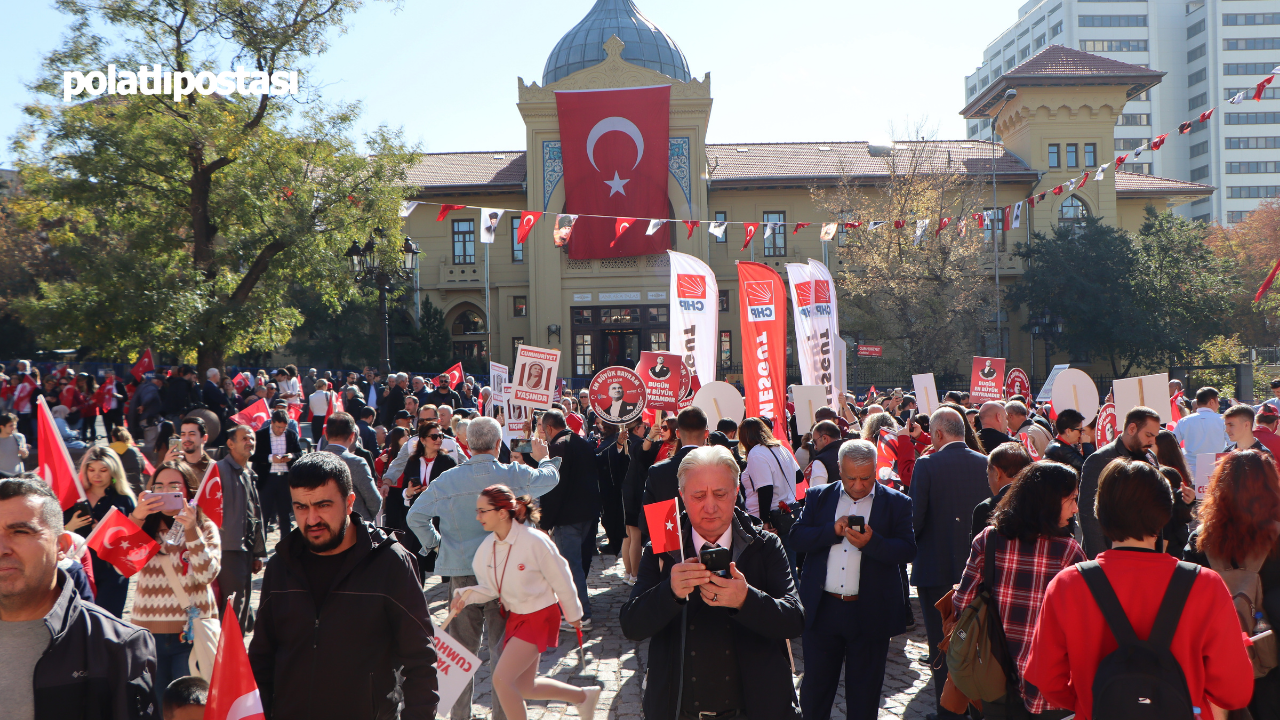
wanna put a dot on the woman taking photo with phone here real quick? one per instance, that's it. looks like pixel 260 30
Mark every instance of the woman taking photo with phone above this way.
pixel 173 593
pixel 105 486
pixel 521 567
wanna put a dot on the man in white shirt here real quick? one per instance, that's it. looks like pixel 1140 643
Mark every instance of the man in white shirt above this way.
pixel 1204 431
pixel 856 533
pixel 319 404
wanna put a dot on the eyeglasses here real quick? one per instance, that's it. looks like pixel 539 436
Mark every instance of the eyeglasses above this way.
pixel 435 436
pixel 1076 429
pixel 481 512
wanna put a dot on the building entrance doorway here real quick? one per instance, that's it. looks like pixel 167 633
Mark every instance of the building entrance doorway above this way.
pixel 620 347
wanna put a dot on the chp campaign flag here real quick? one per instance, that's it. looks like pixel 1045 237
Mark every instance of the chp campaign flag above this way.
pixel 117 540
pixel 614 146
pixel 695 314
pixel 455 666
pixel 987 381
pixel 812 310
pixel 233 693
pixel 534 377
pixel 255 416
pixel 762 299
pixel 54 465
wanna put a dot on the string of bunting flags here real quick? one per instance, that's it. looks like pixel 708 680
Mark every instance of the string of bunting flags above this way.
pixel 1010 216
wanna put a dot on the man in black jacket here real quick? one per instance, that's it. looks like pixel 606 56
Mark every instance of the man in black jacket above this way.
pixel 1141 425
pixel 571 510
pixel 691 429
pixel 441 394
pixel 1065 448
pixel 717 642
pixel 342 612
pixel 275 451
pixel 67 659
pixel 993 418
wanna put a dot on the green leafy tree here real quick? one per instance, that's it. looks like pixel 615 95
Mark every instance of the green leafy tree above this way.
pixel 186 222
pixel 426 347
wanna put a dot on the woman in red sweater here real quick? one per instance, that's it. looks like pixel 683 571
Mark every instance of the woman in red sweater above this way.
pixel 1133 504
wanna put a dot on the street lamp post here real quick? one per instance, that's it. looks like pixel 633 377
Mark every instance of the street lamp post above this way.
pixel 366 267
pixel 1009 94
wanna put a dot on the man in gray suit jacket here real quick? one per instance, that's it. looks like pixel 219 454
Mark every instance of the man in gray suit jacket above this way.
pixel 341 431
pixel 945 487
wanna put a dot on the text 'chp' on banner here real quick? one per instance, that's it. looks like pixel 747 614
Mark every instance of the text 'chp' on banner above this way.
pixel 762 299
pixel 615 149
pixel 695 314
pixel 816 325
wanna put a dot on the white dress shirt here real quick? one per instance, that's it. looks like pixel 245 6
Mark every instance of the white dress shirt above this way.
pixel 278 447
pixel 844 562
pixel 725 541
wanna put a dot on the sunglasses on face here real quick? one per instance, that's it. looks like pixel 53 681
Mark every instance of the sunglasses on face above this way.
pixel 435 436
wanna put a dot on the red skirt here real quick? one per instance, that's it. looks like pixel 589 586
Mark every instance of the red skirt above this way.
pixel 540 628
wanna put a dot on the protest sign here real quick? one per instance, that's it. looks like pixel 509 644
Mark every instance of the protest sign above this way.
pixel 720 400
pixel 499 376
pixel 808 400
pixel 842 368
pixel 666 379
pixel 1075 390
pixel 1149 390
pixel 617 394
pixel 455 666
pixel 1107 428
pixel 516 417
pixel 1205 464
pixel 926 393
pixel 1046 392
pixel 534 376
pixel 1017 383
pixel 987 380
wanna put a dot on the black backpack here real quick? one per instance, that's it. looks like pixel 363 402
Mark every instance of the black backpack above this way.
pixel 1141 680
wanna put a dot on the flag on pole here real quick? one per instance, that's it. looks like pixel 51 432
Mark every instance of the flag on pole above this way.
pixel 799 225
pixel 663 519
pixel 750 229
pixel 145 364
pixel 527 220
pixel 240 382
pixel 446 209
pixel 209 494
pixel 54 465
pixel 691 224
pixel 233 693
pixel 454 375
pixel 1266 284
pixel 117 540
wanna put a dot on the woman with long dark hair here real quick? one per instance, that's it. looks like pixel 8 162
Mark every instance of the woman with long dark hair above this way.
pixel 520 566
pixel 188 566
pixel 769 480
pixel 1173 466
pixel 1239 529
pixel 1029 541
pixel 642 451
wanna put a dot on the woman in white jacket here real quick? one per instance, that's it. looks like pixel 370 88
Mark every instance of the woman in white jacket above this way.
pixel 521 567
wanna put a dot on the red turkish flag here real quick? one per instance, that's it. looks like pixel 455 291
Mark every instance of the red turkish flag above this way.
pixel 614 147
pixel 55 462
pixel 233 693
pixel 119 541
pixel 691 224
pixel 800 225
pixel 1120 160
pixel 886 455
pixel 620 226
pixel 942 224
pixel 1266 284
pixel 454 375
pixel 750 229
pixel 899 224
pixel 1257 93
pixel 446 209
pixel 209 494
pixel 1155 144
pixel 664 525
pixel 294 410
pixel 1207 114
pixel 527 221
pixel 240 382
pixel 1083 180
pixel 255 416
pixel 1057 190
pixel 981 218
pixel 145 364
pixel 1008 217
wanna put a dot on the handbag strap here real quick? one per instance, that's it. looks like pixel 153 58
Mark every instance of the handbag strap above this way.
pixel 995 628
pixel 784 472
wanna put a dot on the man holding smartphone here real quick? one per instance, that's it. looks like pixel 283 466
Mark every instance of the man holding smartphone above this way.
pixel 855 534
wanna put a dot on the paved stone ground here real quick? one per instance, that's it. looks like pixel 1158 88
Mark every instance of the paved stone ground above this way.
pixel 618 664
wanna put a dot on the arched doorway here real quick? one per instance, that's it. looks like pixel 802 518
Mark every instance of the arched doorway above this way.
pixel 468 331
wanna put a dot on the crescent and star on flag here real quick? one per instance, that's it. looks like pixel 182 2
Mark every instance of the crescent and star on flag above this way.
pixel 610 124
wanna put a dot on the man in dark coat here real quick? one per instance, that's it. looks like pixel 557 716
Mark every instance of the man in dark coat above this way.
pixel 853 596
pixel 717 642
pixel 1141 425
pixel 691 429
pixel 993 419
pixel 571 510
pixel 1065 448
pixel 276 448
pixel 945 487
pixel 343 629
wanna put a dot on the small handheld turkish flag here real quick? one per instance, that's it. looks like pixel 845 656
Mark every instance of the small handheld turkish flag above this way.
pixel 54 461
pixel 527 221
pixel 209 494
pixel 145 364
pixel 119 541
pixel 255 416
pixel 886 456
pixel 241 382
pixel 233 693
pixel 664 525
pixel 294 410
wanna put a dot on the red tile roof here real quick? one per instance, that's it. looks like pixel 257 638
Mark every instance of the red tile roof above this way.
pixel 772 163
pixel 1137 185
pixel 1062 61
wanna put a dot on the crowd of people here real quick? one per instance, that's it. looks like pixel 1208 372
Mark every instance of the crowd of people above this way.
pixel 1056 573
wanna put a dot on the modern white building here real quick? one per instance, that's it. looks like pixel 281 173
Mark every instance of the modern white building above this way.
pixel 1209 49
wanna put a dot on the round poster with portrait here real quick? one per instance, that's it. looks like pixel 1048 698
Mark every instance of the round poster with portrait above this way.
pixel 617 395
pixel 1108 427
pixel 1017 383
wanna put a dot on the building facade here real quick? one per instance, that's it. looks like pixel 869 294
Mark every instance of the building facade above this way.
pixel 606 311
pixel 1209 49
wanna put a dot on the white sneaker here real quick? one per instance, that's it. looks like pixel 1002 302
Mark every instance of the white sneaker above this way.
pixel 629 579
pixel 566 626
pixel 587 708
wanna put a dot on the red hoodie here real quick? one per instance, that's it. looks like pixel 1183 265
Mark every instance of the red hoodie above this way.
pixel 1072 638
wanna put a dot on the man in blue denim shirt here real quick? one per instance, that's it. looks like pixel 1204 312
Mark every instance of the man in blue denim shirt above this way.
pixel 452 498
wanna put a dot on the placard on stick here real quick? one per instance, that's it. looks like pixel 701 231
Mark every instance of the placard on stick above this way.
pixel 720 400
pixel 455 666
pixel 1205 464
pixel 808 399
pixel 926 393
pixel 1075 390
pixel 1046 392
pixel 1149 390
pixel 533 380
pixel 987 380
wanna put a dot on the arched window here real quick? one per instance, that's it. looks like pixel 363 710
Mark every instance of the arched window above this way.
pixel 468 323
pixel 1073 212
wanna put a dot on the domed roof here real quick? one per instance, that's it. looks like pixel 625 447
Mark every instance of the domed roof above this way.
pixel 645 44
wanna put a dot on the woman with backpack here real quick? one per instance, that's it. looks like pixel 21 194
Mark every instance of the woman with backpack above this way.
pixel 1194 658
pixel 1237 537
pixel 1030 540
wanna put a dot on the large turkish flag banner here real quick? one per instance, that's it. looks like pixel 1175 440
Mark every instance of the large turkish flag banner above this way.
pixel 615 147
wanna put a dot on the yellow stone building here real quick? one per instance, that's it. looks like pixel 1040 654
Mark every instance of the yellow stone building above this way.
pixel 604 312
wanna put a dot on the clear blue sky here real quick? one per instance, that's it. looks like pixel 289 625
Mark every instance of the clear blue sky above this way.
pixel 787 70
